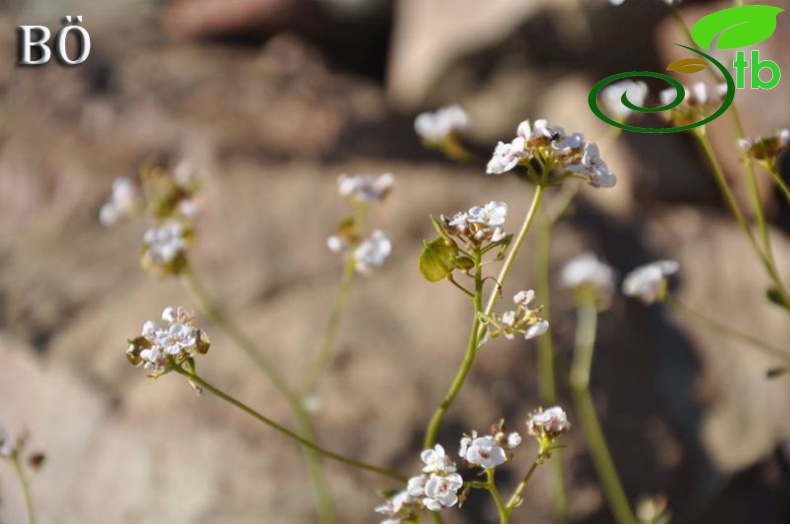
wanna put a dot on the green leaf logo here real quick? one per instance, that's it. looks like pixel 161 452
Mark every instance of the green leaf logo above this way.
pixel 739 26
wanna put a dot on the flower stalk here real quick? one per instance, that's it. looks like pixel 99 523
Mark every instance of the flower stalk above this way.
pixel 287 432
pixel 591 426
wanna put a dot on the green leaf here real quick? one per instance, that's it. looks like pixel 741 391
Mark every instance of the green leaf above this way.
pixel 739 26
pixel 438 259
pixel 688 65
pixel 774 296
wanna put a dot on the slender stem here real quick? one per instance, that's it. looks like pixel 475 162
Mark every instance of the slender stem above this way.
pixel 545 358
pixel 732 202
pixel 518 241
pixel 210 308
pixel 591 427
pixel 326 506
pixel 780 183
pixel 504 515
pixel 459 286
pixel 515 498
pixel 720 327
pixel 330 334
pixel 16 460
pixel 287 432
pixel 466 365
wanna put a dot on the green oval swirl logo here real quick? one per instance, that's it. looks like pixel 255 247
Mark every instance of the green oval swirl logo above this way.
pixel 734 27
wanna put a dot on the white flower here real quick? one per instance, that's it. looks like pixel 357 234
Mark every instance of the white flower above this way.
pixel 649 282
pixel 587 271
pixel 668 95
pixel 537 329
pixel 524 298
pixel 161 346
pixel 566 145
pixel 612 96
pixel 508 318
pixel 506 156
pixel 699 93
pixel 491 215
pixel 466 441
pixel 165 243
pixel 441 491
pixel 524 319
pixel 593 169
pixel 435 127
pixel 549 423
pixel 394 507
pixel 415 487
pixel 513 440
pixel 123 202
pixel 372 252
pixel 186 176
pixel 538 130
pixel 9 444
pixel 784 136
pixel 336 244
pixel 484 452
pixel 436 461
pixel 365 188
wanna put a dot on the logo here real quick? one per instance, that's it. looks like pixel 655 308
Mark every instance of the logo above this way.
pixel 731 28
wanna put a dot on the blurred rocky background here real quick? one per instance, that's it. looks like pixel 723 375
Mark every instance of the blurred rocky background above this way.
pixel 275 98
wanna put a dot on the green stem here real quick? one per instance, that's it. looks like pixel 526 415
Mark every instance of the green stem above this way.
pixel 466 365
pixel 777 178
pixel 330 334
pixel 591 427
pixel 326 506
pixel 720 327
pixel 766 259
pixel 210 308
pixel 16 460
pixel 287 432
pixel 514 249
pixel 766 252
pixel 504 515
pixel 515 498
pixel 547 383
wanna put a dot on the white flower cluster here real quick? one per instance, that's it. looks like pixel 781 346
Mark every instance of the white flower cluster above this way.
pixel 125 200
pixel 649 282
pixel 435 489
pixel 612 97
pixel 369 254
pixel 488 451
pixel 164 246
pixel 586 272
pixel 365 188
pixel 9 444
pixel 565 155
pixel 479 223
pixel 547 426
pixel 523 319
pixel 697 95
pixel 765 148
pixel 436 127
pixel 372 252
pixel 159 348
